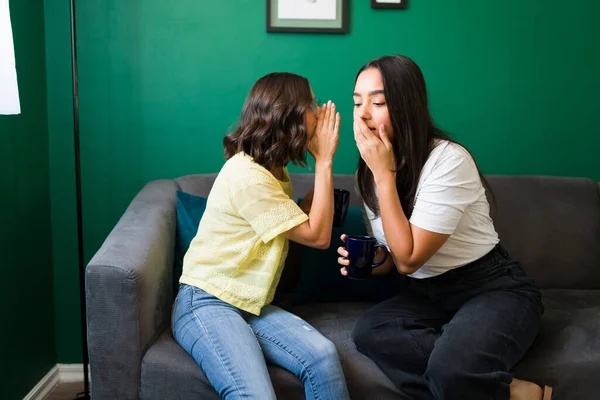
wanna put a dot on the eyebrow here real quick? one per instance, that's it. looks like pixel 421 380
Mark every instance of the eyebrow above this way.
pixel 371 93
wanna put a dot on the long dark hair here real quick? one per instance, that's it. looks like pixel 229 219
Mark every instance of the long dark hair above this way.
pixel 414 130
pixel 272 128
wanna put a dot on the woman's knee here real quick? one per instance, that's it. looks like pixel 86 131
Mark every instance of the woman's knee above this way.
pixel 319 358
pixel 362 333
pixel 372 335
pixel 323 350
pixel 322 371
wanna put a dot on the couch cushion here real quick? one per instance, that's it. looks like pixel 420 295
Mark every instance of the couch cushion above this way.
pixel 566 353
pixel 336 321
pixel 199 184
pixel 168 372
pixel 303 183
pixel 544 222
pixel 549 223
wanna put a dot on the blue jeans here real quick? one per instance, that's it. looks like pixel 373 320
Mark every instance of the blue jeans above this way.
pixel 456 335
pixel 233 348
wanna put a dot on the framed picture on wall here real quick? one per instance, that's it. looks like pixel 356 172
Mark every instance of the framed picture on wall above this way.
pixel 313 16
pixel 389 3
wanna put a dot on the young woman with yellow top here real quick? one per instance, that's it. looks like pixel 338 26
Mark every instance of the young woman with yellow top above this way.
pixel 222 314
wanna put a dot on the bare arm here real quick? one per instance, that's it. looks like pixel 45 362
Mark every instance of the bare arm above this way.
pixel 386 267
pixel 410 245
pixel 306 202
pixel 316 231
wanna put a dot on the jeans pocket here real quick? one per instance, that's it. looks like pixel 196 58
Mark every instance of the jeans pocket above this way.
pixel 517 273
pixel 199 298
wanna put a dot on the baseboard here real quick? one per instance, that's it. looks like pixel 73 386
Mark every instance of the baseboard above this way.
pixel 59 373
pixel 71 372
pixel 43 388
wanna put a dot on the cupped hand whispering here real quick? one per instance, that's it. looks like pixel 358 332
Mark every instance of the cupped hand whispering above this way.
pixel 323 144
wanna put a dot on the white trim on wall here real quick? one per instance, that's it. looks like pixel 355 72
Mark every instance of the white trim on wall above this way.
pixel 70 372
pixel 43 388
pixel 59 373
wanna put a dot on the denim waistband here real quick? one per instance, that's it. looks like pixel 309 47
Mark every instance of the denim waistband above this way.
pixel 496 255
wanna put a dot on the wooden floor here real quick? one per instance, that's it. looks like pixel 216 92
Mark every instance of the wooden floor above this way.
pixel 65 391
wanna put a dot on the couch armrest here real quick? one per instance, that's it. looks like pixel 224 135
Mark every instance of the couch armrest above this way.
pixel 129 291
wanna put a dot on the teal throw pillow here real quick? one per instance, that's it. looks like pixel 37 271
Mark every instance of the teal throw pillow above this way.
pixel 190 209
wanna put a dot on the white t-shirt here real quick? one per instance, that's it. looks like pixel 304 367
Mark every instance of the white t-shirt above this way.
pixel 451 200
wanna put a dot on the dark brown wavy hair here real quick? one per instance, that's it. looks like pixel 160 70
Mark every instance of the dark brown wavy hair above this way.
pixel 414 130
pixel 272 128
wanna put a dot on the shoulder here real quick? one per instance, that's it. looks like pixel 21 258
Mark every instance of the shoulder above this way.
pixel 449 159
pixel 445 151
pixel 241 167
pixel 240 172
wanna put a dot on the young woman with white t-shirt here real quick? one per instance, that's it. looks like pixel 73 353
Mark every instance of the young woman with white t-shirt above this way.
pixel 466 312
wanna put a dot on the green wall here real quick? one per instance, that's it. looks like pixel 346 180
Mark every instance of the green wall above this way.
pixel 162 82
pixel 27 347
pixel 62 180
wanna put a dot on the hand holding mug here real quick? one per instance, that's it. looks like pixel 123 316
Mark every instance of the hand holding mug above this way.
pixel 358 256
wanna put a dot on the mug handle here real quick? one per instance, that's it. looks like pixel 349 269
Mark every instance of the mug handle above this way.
pixel 385 254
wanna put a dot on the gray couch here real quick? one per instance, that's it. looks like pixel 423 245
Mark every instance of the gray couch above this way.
pixel 552 225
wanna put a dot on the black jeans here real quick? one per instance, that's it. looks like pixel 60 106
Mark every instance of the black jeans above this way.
pixel 456 335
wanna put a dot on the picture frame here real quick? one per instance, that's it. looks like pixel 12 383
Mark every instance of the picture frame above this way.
pixel 308 16
pixel 389 4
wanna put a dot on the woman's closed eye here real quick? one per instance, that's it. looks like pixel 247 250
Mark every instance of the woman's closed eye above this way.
pixel 375 104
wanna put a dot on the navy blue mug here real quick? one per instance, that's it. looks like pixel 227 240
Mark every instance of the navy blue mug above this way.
pixel 361 254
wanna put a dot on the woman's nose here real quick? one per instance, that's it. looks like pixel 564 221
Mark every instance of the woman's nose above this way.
pixel 363 112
